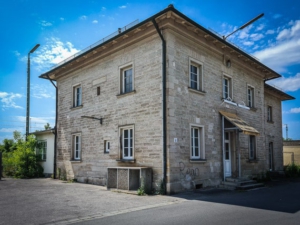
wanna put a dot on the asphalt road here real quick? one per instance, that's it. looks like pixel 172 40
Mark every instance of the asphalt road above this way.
pixel 47 201
pixel 276 204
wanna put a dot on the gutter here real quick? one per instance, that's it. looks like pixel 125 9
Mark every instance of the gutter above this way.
pixel 164 106
pixel 55 127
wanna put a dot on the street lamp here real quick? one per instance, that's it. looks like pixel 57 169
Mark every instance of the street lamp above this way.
pixel 28 89
pixel 245 25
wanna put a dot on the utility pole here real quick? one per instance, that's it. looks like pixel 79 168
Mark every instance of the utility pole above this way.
pixel 28 90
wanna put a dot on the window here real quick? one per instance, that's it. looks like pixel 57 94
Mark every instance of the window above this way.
pixel 197 142
pixel 269 111
pixel 106 146
pixel 77 96
pixel 76 146
pixel 227 88
pixel 127 142
pixel 250 96
pixel 196 78
pixel 252 147
pixel 98 91
pixel 42 150
pixel 126 80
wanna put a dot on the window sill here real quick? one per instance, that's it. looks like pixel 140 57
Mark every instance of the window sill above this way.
pixel 252 161
pixel 198 160
pixel 229 102
pixel 106 152
pixel 270 121
pixel 196 91
pixel 125 94
pixel 75 161
pixel 76 107
pixel 126 160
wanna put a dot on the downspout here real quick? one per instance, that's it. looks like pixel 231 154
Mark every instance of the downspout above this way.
pixel 55 127
pixel 164 107
pixel 223 147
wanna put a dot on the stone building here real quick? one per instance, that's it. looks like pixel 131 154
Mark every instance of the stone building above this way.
pixel 169 95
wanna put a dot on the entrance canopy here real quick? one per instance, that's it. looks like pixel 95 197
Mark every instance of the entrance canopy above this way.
pixel 238 122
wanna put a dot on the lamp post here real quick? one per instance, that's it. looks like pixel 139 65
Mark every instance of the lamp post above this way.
pixel 28 90
pixel 245 25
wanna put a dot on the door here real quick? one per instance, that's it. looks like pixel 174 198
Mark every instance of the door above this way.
pixel 227 155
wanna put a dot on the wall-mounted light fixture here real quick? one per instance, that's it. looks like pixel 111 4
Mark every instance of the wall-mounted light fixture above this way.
pixel 228 63
pixel 94 118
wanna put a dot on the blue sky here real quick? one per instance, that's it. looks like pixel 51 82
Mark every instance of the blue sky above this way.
pixel 65 27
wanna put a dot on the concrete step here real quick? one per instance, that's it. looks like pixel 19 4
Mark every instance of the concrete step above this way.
pixel 230 179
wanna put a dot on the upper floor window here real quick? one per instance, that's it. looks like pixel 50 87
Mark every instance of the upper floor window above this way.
pixel 252 147
pixel 250 96
pixel 127 142
pixel 42 149
pixel 227 88
pixel 76 146
pixel 197 142
pixel 77 96
pixel 269 112
pixel 196 78
pixel 126 79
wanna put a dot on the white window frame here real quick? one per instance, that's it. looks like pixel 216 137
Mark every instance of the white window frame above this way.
pixel 199 66
pixel 122 71
pixel 250 96
pixel 122 140
pixel 76 140
pixel 77 100
pixel 269 113
pixel 42 150
pixel 230 87
pixel 201 140
pixel 106 146
pixel 252 147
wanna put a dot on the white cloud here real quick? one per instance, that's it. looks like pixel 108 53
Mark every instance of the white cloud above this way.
pixel 248 43
pixel 243 34
pixel 256 36
pixel 8 130
pixel 288 83
pixel 52 52
pixel 103 8
pixel 44 23
pixel 83 17
pixel 260 27
pixel 17 53
pixel 62 19
pixel 270 32
pixel 38 120
pixel 276 16
pixel 41 91
pixel 123 7
pixel 8 100
pixel 295 110
pixel 95 21
pixel 284 52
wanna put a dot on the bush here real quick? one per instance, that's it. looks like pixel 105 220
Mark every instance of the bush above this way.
pixel 23 161
pixel 292 170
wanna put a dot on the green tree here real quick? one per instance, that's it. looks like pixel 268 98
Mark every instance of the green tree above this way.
pixel 23 161
pixel 47 126
pixel 8 145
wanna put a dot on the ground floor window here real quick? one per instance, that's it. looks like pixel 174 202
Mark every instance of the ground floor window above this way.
pixel 197 142
pixel 252 147
pixel 127 142
pixel 76 146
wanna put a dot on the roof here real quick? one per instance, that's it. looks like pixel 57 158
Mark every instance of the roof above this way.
pixel 239 123
pixel 43 132
pixel 282 95
pixel 180 20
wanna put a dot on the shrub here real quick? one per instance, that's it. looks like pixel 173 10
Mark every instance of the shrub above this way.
pixel 292 170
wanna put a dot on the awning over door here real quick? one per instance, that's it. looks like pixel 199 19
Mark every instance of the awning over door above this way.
pixel 238 122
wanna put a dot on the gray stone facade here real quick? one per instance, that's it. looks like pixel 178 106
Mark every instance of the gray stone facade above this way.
pixel 141 110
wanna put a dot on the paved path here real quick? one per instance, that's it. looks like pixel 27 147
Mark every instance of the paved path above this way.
pixel 48 201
